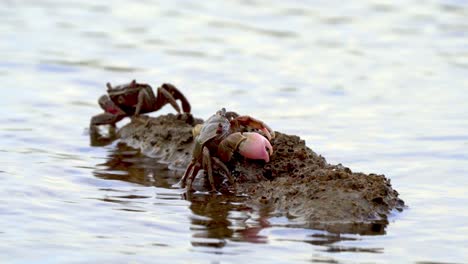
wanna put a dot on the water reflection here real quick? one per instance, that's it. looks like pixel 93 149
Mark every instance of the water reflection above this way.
pixel 128 164
pixel 368 229
pixel 100 138
pixel 215 220
pixel 210 226
pixel 220 217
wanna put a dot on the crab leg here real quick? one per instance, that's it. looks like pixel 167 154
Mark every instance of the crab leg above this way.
pixel 187 172
pixel 208 168
pixel 192 176
pixel 168 98
pixel 176 94
pixel 143 99
pixel 225 168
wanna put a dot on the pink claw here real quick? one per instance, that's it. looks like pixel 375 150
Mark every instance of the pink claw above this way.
pixel 255 146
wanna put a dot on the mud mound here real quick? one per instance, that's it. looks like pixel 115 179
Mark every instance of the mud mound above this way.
pixel 168 138
pixel 297 182
pixel 301 184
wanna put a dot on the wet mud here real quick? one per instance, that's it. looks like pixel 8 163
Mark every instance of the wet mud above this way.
pixel 296 183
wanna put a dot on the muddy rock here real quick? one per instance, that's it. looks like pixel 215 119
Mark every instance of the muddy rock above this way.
pixel 297 182
pixel 167 138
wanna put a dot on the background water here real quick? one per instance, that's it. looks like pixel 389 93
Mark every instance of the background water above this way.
pixel 380 86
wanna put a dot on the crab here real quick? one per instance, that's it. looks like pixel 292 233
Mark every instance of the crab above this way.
pixel 220 137
pixel 136 98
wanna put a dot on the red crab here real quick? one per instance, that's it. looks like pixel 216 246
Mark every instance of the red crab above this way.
pixel 136 98
pixel 220 136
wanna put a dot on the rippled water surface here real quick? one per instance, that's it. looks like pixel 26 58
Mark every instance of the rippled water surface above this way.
pixel 379 86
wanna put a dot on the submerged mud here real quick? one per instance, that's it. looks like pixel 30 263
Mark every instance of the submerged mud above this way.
pixel 297 182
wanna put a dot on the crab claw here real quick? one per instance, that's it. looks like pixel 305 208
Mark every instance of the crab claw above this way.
pixel 109 107
pixel 255 146
pixel 268 132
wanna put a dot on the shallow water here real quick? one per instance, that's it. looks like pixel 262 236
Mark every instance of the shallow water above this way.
pixel 377 86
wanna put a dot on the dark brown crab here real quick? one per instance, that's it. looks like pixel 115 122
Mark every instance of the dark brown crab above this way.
pixel 220 136
pixel 136 98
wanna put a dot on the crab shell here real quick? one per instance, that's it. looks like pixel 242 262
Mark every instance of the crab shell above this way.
pixel 215 134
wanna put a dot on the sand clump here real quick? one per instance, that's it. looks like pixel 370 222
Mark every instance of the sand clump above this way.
pixel 297 182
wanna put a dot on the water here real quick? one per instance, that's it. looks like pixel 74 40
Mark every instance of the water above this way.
pixel 378 86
